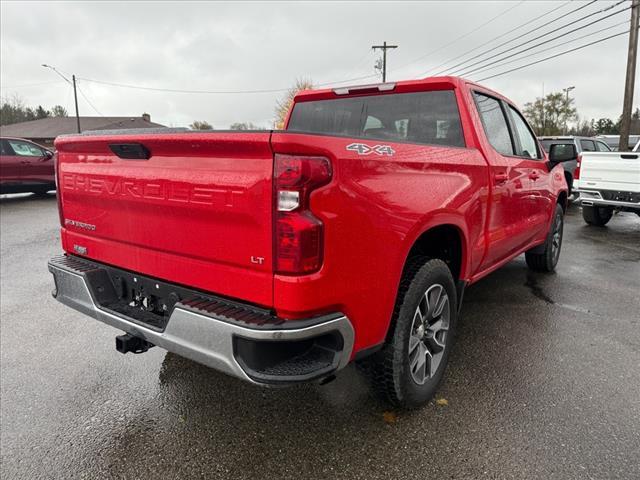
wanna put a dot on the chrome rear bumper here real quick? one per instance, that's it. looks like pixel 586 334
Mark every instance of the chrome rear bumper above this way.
pixel 213 339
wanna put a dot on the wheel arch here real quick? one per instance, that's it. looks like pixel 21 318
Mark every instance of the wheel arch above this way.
pixel 445 241
pixel 563 200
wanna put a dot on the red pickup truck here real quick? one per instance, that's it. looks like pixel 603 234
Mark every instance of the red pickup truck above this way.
pixel 282 256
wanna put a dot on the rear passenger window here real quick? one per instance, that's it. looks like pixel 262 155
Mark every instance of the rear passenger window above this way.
pixel 602 147
pixel 495 124
pixel 528 147
pixel 421 117
pixel 588 145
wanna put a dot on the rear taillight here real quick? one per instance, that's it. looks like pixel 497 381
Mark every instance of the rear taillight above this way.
pixel 298 233
pixel 576 172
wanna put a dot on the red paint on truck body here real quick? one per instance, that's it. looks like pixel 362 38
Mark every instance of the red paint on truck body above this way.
pixel 200 211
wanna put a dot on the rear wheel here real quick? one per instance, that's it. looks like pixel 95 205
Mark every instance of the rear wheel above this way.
pixel 598 216
pixel 409 368
pixel 544 258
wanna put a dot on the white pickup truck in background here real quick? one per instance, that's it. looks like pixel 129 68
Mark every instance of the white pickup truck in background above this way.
pixel 608 182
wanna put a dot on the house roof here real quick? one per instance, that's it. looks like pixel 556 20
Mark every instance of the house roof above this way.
pixel 51 127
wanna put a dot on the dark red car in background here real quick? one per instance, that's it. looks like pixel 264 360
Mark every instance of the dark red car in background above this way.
pixel 25 167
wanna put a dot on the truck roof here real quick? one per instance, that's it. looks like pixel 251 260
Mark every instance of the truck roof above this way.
pixel 403 86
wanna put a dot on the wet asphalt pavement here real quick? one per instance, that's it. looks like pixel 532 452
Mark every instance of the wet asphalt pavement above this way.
pixel 544 382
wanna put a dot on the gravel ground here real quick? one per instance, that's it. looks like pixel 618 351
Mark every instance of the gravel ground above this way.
pixel 544 382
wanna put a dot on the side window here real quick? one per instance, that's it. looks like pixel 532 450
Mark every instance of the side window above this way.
pixel 4 148
pixel 495 123
pixel 588 145
pixel 602 147
pixel 24 149
pixel 528 146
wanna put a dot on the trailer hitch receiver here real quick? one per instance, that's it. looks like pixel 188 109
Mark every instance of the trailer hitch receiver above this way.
pixel 130 343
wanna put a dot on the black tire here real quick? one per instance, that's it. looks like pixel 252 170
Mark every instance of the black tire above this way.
pixel 569 179
pixel 41 191
pixel 544 258
pixel 598 216
pixel 389 369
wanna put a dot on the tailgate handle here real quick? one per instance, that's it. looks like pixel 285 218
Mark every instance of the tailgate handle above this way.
pixel 627 156
pixel 130 151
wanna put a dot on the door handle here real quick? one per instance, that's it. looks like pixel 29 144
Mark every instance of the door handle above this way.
pixel 534 176
pixel 501 177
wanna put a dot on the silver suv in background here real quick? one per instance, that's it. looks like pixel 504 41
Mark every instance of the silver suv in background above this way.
pixel 582 144
pixel 614 141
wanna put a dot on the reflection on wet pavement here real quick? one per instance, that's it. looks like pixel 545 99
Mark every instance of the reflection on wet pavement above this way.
pixel 543 383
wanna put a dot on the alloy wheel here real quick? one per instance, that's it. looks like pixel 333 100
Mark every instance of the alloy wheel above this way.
pixel 429 331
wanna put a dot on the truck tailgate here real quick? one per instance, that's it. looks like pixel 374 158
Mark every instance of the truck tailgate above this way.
pixel 197 212
pixel 616 171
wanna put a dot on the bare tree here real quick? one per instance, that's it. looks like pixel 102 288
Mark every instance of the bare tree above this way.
pixel 200 125
pixel 244 126
pixel 548 115
pixel 59 111
pixel 284 104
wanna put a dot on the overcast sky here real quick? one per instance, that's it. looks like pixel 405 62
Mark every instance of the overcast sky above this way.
pixel 267 45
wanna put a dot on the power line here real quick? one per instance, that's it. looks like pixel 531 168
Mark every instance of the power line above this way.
pixel 590 34
pixel 89 101
pixel 214 92
pixel 533 30
pixel 367 56
pixel 66 102
pixel 466 71
pixel 4 87
pixel 553 56
pixel 175 90
pixel 461 36
pixel 458 70
pixel 527 23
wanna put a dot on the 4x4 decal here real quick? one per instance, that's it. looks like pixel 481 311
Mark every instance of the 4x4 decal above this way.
pixel 364 149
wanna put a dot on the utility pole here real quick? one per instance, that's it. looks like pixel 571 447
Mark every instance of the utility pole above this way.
pixel 566 90
pixel 625 124
pixel 75 93
pixel 75 98
pixel 384 47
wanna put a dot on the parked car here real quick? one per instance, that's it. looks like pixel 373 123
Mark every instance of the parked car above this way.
pixel 582 144
pixel 613 141
pixel 281 256
pixel 25 167
pixel 608 182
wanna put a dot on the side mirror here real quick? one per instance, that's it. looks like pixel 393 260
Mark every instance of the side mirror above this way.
pixel 562 152
pixel 48 154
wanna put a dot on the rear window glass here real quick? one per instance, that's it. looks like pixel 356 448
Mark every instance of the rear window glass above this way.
pixel 588 145
pixel 546 144
pixel 421 117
